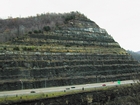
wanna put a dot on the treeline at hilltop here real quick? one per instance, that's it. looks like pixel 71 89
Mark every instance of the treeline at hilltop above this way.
pixel 15 27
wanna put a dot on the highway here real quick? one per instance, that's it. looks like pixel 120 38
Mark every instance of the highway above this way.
pixel 63 88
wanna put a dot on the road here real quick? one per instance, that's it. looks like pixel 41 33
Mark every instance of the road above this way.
pixel 62 88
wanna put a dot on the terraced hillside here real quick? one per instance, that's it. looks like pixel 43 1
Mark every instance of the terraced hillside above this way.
pixel 77 52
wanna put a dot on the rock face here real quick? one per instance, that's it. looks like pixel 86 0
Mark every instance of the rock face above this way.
pixel 79 52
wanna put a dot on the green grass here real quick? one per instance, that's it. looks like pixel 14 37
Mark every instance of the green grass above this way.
pixel 63 49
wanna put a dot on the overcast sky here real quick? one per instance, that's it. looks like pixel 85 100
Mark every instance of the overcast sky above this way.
pixel 121 18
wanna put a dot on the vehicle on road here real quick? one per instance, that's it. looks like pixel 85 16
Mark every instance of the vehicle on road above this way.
pixel 67 88
pixel 103 84
pixel 32 91
pixel 72 87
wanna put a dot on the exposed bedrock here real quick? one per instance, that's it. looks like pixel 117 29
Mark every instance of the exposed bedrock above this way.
pixel 77 54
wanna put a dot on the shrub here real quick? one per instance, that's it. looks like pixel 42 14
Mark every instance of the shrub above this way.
pixel 67 45
pixel 39 31
pixel 4 48
pixel 35 31
pixel 31 48
pixel 16 48
pixel 46 28
pixel 69 17
pixel 29 32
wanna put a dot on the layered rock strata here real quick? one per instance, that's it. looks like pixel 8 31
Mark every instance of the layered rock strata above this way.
pixel 78 53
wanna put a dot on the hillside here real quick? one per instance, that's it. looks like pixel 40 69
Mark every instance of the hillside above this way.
pixel 138 52
pixel 74 51
pixel 16 27
pixel 135 55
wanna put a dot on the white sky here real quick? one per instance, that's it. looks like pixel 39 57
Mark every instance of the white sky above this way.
pixel 121 18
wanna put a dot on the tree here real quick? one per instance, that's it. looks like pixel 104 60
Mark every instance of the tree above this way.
pixel 29 32
pixel 46 28
pixel 35 31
